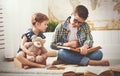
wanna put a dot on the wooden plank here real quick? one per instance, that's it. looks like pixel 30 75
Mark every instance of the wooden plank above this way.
pixel 2 39
pixel 2 43
pixel 1 21
pixel 1 26
pixel 1 48
pixel 2 35
pixel 1 17
pixel 1 30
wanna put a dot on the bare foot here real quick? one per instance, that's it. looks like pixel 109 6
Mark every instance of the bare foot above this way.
pixel 42 66
pixel 105 63
pixel 99 63
pixel 57 62
pixel 44 56
pixel 26 67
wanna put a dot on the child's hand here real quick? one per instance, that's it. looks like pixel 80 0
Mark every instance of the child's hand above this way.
pixel 39 52
pixel 30 53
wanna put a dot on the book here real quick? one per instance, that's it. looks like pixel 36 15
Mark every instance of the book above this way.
pixel 55 67
pixel 59 66
pixel 88 71
pixel 73 70
pixel 98 69
pixel 102 70
pixel 76 70
pixel 76 50
pixel 115 68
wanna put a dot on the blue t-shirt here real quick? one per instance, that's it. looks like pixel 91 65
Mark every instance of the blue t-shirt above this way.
pixel 29 33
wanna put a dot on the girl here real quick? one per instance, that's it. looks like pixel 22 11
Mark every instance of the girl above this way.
pixel 39 25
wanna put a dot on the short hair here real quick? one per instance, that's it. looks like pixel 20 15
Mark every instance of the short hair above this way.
pixel 39 17
pixel 82 11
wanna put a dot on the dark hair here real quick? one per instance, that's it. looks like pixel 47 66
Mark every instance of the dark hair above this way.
pixel 82 11
pixel 39 17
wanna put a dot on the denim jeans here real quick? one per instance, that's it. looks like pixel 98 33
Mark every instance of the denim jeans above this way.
pixel 71 57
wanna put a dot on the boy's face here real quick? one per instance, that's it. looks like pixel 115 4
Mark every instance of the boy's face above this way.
pixel 76 20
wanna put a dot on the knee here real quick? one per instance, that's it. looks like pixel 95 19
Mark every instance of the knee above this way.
pixel 61 52
pixel 19 55
pixel 96 55
pixel 99 55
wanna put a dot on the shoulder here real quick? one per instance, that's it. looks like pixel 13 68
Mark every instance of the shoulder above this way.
pixel 28 33
pixel 59 26
pixel 41 35
pixel 85 24
pixel 86 27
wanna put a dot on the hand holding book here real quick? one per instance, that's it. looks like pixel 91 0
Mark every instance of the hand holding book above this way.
pixel 78 50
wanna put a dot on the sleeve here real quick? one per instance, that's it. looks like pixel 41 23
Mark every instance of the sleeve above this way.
pixel 89 37
pixel 55 38
pixel 25 34
pixel 28 34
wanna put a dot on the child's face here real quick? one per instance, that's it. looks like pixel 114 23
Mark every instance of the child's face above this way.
pixel 43 26
pixel 76 20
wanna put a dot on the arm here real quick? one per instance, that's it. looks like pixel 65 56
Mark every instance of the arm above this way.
pixel 56 38
pixel 88 42
pixel 23 47
pixel 72 44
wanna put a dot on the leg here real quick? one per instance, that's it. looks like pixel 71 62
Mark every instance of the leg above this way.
pixel 41 59
pixel 95 59
pixel 21 57
pixel 98 63
pixel 68 57
pixel 96 55
pixel 56 62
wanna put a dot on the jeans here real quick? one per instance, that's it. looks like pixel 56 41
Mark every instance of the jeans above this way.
pixel 71 57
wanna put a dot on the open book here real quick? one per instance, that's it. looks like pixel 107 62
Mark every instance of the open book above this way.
pixel 77 70
pixel 98 69
pixel 76 50
pixel 86 70
pixel 92 70
pixel 55 67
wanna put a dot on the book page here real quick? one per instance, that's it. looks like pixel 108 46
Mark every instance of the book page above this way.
pixel 81 69
pixel 115 68
pixel 97 69
pixel 55 67
pixel 63 47
pixel 70 69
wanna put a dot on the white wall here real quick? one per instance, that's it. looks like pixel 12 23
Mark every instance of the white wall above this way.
pixel 17 18
pixel 109 40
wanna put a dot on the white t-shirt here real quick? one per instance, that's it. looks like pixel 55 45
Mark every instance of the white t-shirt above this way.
pixel 72 35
